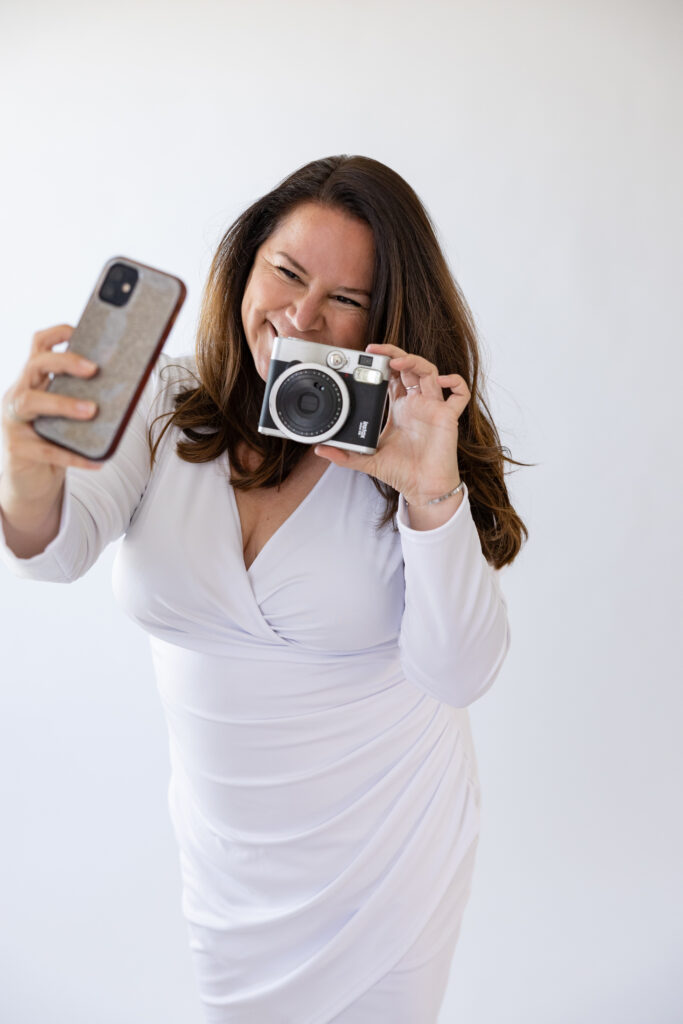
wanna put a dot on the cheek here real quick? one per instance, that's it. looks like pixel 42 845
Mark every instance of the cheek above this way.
pixel 254 295
pixel 249 292
pixel 278 296
pixel 352 329
pixel 244 309
pixel 270 297
pixel 249 309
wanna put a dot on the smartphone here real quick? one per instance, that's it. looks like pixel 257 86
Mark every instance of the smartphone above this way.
pixel 123 328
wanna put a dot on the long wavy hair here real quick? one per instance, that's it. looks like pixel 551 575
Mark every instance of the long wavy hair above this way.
pixel 415 304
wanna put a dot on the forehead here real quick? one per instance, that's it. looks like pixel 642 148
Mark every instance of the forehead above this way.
pixel 327 243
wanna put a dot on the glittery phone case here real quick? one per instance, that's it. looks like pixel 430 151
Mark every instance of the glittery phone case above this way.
pixel 125 342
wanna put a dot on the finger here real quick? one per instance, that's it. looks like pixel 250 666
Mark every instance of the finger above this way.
pixel 460 393
pixel 408 373
pixel 343 457
pixel 416 370
pixel 452 379
pixel 39 366
pixel 455 383
pixel 415 364
pixel 392 351
pixel 30 447
pixel 50 337
pixel 385 350
pixel 428 387
pixel 27 403
pixel 396 388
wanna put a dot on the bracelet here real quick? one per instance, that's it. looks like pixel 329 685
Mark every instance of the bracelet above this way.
pixel 435 501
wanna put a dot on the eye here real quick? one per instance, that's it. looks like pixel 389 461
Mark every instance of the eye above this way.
pixel 288 273
pixel 346 301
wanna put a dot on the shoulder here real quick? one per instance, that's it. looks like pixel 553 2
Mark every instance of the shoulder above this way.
pixel 176 372
pixel 171 375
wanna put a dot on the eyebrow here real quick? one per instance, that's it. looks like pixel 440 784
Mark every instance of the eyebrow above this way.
pixel 341 288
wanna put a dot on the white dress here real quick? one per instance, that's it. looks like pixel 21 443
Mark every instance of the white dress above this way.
pixel 324 787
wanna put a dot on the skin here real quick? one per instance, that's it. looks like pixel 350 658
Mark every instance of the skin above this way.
pixel 312 279
pixel 32 481
pixel 319 291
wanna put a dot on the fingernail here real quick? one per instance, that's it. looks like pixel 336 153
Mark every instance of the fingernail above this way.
pixel 86 407
pixel 87 364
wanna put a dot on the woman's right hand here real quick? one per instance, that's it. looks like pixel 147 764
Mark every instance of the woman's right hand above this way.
pixel 33 468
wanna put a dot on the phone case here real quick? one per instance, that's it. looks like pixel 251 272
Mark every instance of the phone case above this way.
pixel 125 342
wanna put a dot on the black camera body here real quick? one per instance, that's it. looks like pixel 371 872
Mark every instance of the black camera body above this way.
pixel 319 394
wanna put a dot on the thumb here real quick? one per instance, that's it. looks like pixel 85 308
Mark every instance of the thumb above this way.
pixel 342 457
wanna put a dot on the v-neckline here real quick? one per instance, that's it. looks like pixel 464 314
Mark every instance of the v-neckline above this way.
pixel 292 515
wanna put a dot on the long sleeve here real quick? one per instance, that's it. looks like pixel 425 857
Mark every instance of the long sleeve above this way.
pixel 98 504
pixel 455 632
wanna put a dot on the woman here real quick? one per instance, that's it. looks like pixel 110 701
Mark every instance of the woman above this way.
pixel 319 619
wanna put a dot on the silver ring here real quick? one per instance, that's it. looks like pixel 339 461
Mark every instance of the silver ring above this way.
pixel 11 412
pixel 411 387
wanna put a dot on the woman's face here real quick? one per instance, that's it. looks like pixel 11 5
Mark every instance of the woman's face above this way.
pixel 312 280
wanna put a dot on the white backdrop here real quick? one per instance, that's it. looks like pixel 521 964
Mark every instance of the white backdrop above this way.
pixel 545 139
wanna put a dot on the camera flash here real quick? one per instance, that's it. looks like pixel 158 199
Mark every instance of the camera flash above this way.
pixel 125 287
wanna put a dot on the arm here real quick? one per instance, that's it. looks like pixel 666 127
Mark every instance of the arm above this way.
pixel 97 507
pixel 455 633
pixel 33 530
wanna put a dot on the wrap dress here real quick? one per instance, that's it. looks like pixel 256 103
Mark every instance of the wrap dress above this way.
pixel 324 789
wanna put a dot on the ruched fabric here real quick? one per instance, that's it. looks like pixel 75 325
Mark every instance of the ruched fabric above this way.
pixel 324 789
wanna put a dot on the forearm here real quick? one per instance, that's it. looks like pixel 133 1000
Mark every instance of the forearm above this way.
pixel 454 634
pixel 29 527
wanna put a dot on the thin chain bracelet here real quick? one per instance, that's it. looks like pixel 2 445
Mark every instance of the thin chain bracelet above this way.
pixel 435 501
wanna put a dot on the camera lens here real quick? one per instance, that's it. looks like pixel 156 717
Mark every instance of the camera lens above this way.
pixel 309 403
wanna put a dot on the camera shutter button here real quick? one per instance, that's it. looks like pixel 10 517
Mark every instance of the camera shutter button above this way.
pixel 336 360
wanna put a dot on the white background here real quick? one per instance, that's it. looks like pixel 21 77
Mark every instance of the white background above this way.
pixel 545 139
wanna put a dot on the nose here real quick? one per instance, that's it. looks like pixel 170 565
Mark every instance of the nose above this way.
pixel 306 313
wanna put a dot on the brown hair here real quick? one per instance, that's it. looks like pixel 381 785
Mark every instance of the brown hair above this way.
pixel 415 304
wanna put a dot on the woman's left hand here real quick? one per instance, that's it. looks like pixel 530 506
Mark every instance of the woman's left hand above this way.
pixel 417 453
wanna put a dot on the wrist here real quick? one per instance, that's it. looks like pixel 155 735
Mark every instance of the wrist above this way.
pixel 27 521
pixel 431 516
pixel 437 496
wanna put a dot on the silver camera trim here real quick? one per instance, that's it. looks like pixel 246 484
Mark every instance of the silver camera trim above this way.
pixel 317 352
pixel 321 368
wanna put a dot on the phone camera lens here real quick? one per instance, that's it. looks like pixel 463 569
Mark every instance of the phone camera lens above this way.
pixel 119 284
